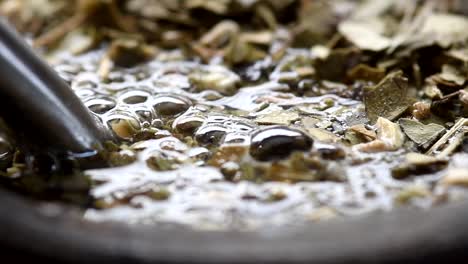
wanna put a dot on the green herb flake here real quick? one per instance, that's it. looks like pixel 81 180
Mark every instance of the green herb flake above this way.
pixel 388 99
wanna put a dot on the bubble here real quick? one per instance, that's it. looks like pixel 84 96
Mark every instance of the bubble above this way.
pixel 278 142
pixel 236 138
pixel 217 119
pixel 123 125
pixel 85 80
pixel 178 81
pixel 170 105
pixel 242 127
pixel 187 124
pixel 85 93
pixel 115 77
pixel 134 97
pixel 67 71
pixel 100 105
pixel 199 153
pixel 157 123
pixel 210 135
pixel 210 95
pixel 144 115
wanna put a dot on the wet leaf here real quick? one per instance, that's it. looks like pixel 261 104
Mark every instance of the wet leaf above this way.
pixel 316 23
pixel 79 41
pixel 122 158
pixel 388 99
pixel 421 110
pixel 335 66
pixel 322 135
pixel 365 35
pixel 129 52
pixel 450 76
pixel 240 51
pixel 446 29
pixel 216 6
pixel 455 177
pixel 220 34
pixel 217 79
pixel 421 134
pixel 366 73
pixel 363 131
pixel 322 214
pixel 353 138
pixel 159 194
pixel 124 128
pixel 389 137
pixel 418 164
pixel 228 153
pixel 277 118
pixel 390 133
pixel 125 53
pixel 433 92
pixel 459 54
pixel 162 163
pixel 412 192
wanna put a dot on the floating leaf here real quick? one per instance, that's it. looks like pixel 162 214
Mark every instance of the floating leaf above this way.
pixel 214 78
pixel 159 194
pixel 322 135
pixel 277 118
pixel 124 128
pixel 162 163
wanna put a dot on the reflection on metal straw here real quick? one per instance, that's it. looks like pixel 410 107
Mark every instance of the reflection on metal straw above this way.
pixel 38 105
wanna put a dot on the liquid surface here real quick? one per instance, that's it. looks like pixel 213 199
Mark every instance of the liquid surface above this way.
pixel 175 133
pixel 242 114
